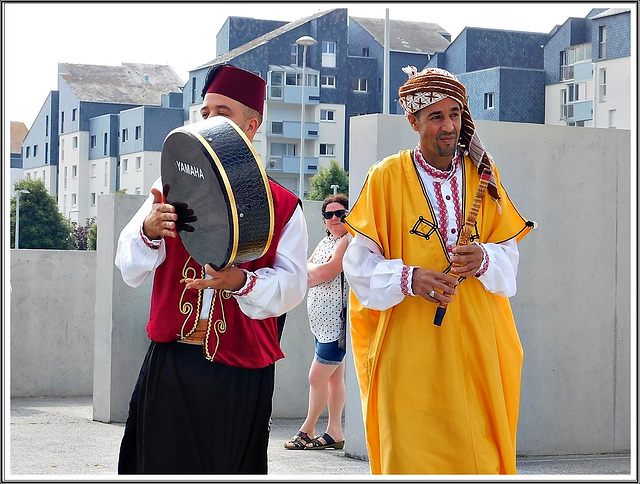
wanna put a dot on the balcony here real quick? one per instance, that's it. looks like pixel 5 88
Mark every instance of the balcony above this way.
pixel 291 164
pixel 577 111
pixel 291 129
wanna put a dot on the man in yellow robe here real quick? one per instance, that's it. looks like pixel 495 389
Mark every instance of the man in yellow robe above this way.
pixel 436 399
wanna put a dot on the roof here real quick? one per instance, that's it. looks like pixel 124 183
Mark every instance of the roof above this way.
pixel 424 37
pixel 611 11
pixel 18 134
pixel 126 84
pixel 263 39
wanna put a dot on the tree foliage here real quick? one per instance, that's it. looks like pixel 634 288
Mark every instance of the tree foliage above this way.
pixel 322 181
pixel 82 235
pixel 42 226
pixel 92 238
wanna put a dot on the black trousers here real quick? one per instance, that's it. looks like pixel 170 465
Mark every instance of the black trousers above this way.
pixel 188 415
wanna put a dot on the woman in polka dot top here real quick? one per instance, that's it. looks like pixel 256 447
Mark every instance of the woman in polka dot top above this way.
pixel 326 298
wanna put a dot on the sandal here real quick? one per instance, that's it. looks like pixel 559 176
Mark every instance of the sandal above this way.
pixel 316 444
pixel 299 441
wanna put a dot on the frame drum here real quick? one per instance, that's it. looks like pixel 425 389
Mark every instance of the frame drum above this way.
pixel 213 168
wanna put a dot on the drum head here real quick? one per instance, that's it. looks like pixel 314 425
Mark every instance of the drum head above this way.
pixel 212 168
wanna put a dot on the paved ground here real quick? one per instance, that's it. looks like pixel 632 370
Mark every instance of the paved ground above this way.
pixel 57 436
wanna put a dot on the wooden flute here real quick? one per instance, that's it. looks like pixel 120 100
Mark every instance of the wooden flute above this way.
pixel 467 230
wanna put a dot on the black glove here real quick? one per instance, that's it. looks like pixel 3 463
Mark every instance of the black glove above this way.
pixel 185 214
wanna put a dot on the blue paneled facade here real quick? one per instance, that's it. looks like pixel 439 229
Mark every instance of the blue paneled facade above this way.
pixel 43 135
pixel 503 72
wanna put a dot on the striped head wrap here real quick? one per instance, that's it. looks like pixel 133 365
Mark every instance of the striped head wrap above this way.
pixel 433 85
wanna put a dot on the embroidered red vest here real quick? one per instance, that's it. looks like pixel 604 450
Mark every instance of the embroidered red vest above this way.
pixel 232 338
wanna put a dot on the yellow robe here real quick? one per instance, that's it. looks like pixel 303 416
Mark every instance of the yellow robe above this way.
pixel 435 400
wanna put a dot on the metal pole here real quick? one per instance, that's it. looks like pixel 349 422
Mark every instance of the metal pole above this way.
pixel 304 61
pixel 17 236
pixel 335 189
pixel 387 43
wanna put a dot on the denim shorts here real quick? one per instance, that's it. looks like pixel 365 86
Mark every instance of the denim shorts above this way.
pixel 329 353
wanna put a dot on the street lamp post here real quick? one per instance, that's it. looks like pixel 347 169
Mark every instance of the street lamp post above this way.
pixel 335 189
pixel 304 41
pixel 17 236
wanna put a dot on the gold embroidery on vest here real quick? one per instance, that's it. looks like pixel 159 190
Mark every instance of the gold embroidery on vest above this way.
pixel 186 307
pixel 219 326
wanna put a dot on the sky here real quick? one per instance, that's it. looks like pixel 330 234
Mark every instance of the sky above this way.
pixel 37 36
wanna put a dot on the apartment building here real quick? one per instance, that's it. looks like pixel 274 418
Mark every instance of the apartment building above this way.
pixel 40 146
pixel 102 131
pixel 579 74
pixel 344 78
pixel 588 71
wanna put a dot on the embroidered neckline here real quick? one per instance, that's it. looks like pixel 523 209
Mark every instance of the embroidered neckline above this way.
pixel 433 171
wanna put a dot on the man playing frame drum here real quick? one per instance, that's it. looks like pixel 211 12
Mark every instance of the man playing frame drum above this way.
pixel 203 399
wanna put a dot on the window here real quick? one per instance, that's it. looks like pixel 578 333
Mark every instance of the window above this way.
pixel 276 84
pixel 365 52
pixel 360 84
pixel 125 165
pixel 326 149
pixel 27 152
pixel 93 199
pixel 602 42
pixel 74 114
pixel 328 54
pixel 105 145
pixel 603 84
pixel 571 56
pixel 62 150
pixel 125 135
pixel 138 132
pixel 194 92
pixel 566 109
pixel 327 115
pixel 93 170
pixel 294 54
pixel 46 153
pixel 35 150
pixel 328 81
pixel 138 163
pixel 488 100
pixel 283 149
pixel 74 199
pixel 276 127
pixel 65 179
pixel 312 80
pixel 75 143
pixel 612 118
pixel 74 171
pixel 138 190
pixel 62 122
pixel 293 79
pixel 94 141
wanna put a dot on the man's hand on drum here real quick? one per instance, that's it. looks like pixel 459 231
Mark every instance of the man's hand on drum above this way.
pixel 230 279
pixel 161 221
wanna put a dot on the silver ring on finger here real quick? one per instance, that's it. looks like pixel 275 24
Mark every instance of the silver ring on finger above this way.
pixel 432 294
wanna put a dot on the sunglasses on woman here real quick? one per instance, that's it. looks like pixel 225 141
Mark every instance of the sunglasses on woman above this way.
pixel 338 213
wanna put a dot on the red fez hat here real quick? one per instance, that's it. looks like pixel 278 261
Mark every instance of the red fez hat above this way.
pixel 238 84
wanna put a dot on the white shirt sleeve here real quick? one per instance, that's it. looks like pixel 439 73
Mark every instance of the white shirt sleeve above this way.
pixel 135 259
pixel 280 288
pixel 376 280
pixel 500 277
